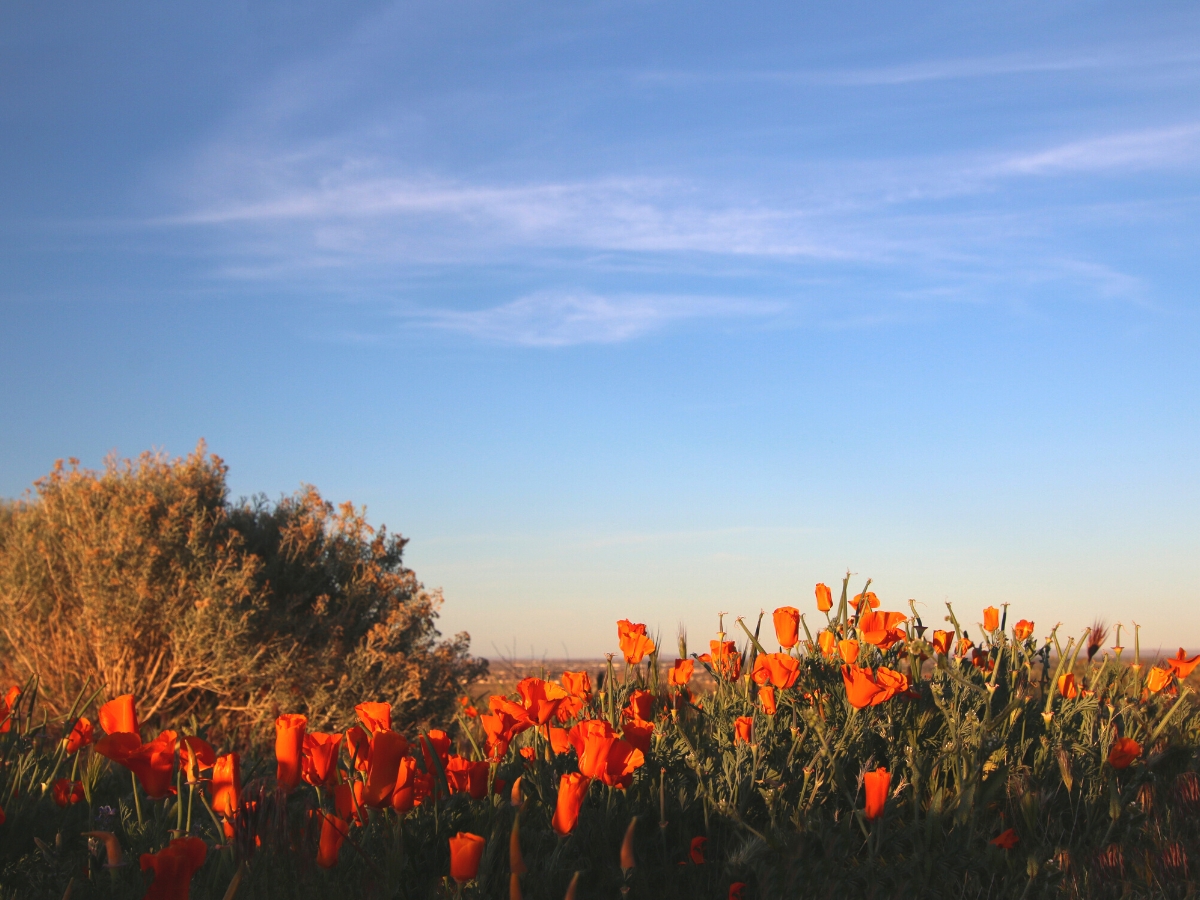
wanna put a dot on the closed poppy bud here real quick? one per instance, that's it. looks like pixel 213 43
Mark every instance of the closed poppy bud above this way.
pixel 516 860
pixel 333 832
pixel 848 650
pixel 289 746
pixel 696 850
pixel 875 785
pixel 572 789
pixel 766 696
pixel 941 642
pixel 681 673
pixel 319 751
pixel 991 619
pixel 1006 839
pixel 1022 630
pixel 1124 751
pixel 81 735
pixel 743 730
pixel 827 641
pixel 375 716
pixel 227 784
pixel 627 858
pixel 1066 686
pixel 515 798
pixel 787 625
pixel 824 598
pixel 118 715
pixel 466 850
pixel 387 748
pixel 173 868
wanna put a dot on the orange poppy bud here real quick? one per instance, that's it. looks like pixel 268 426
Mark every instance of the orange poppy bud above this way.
pixel 991 619
pixel 515 798
pixel 1181 665
pixel 466 850
pixel 724 658
pixel 227 784
pixel 319 753
pixel 572 789
pixel 681 673
pixel 173 868
pixel 1022 630
pixel 1124 751
pixel 696 850
pixel 387 748
pixel 875 785
pixel 333 832
pixel 824 598
pixel 627 858
pixel 743 730
pixel 289 744
pixel 1006 839
pixel 118 715
pixel 81 735
pixel 827 641
pixel 766 696
pixel 941 642
pixel 787 624
pixel 1067 687
pixel 374 716
pixel 848 650
pixel 633 640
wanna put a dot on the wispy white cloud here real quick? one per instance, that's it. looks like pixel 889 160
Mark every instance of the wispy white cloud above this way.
pixel 564 318
pixel 1155 147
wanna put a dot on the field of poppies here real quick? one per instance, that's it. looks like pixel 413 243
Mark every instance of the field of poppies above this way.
pixel 849 751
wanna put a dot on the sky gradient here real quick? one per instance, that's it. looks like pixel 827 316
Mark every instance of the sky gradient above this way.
pixel 645 310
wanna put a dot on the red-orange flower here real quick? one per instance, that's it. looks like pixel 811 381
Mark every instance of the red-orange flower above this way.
pixel 412 785
pixel 787 623
pixel 1022 630
pixel 349 802
pixel 333 832
pixel 638 733
pixel 603 755
pixel 824 598
pixel 1007 839
pixel 1157 679
pixel 827 641
pixel 467 777
pixel 735 890
pixel 634 642
pixel 870 597
pixel 358 746
pixel 387 748
pixel 881 628
pixel 466 850
pixel 941 642
pixel 67 792
pixel 7 704
pixel 724 659
pixel 540 699
pixel 153 764
pixel 743 730
pixel 81 735
pixel 227 784
pixel 991 619
pixel 577 684
pixel 696 850
pixel 1182 665
pixel 195 754
pixel 374 716
pixel 572 789
pixel 289 744
pixel 681 673
pixel 964 646
pixel 848 650
pixel 778 669
pixel 119 716
pixel 560 740
pixel 766 696
pixel 1124 751
pixel 640 707
pixel 1067 686
pixel 174 867
pixel 875 786
pixel 319 753
pixel 864 688
pixel 439 741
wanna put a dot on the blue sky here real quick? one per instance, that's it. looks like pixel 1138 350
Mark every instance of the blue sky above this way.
pixel 645 310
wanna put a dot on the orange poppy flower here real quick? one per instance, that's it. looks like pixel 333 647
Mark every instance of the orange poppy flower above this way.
pixel 119 716
pixel 890 682
pixel 1157 679
pixel 497 735
pixel 735 890
pixel 467 776
pixel 289 743
pixel 540 698
pixel 827 640
pixel 578 684
pixel 743 730
pixel 333 832
pixel 195 754
pixel 696 850
pixel 570 707
pixel 1007 839
pixel 349 802
pixel 412 786
pixel 1067 686
pixel 724 659
pixel 7 704
pixel 374 716
pixel 67 792
pixel 1124 751
pixel 861 689
pixel 638 734
pixel 991 619
pixel 153 764
pixel 778 669
pixel 358 746
pixel 681 673
pixel 875 786
pixel 634 642
pixel 941 642
pixel 964 646
pixel 824 598
pixel 848 650
pixel 787 624
pixel 603 755
pixel 466 850
pixel 387 748
pixel 81 735
pixel 560 740
pixel 1183 666
pixel 640 707
pixel 881 628
pixel 872 600
pixel 173 868
pixel 319 753
pixel 468 709
pixel 572 790
pixel 227 784
pixel 439 741
pixel 766 696
pixel 1022 630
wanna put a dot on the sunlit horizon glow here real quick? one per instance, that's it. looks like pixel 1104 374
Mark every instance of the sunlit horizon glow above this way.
pixel 635 310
